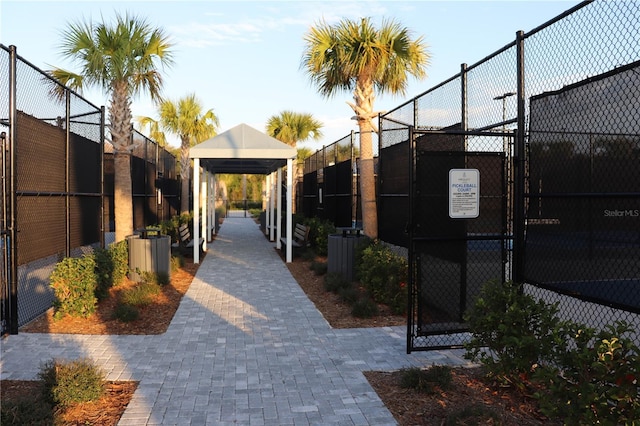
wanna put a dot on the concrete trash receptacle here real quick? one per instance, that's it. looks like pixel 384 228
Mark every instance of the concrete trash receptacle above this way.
pixel 341 254
pixel 150 254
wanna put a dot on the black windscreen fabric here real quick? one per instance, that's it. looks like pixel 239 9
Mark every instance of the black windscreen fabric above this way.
pixel 583 206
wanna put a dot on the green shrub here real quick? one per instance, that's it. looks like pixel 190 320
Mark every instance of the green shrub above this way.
pixel 334 281
pixel 349 294
pixel 104 268
pixel 177 262
pixel 319 234
pixel 364 308
pixel 112 266
pixel 592 377
pixel 125 313
pixel 384 274
pixel 578 374
pixel 26 412
pixel 74 284
pixel 119 253
pixel 67 383
pixel 140 295
pixel 517 330
pixel 426 380
pixel 159 278
pixel 171 226
pixel 319 268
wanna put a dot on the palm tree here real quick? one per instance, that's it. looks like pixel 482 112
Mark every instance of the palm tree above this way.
pixel 155 132
pixel 293 127
pixel 357 56
pixel 123 60
pixel 186 119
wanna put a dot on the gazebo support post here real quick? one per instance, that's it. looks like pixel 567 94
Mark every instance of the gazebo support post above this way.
pixel 289 253
pixel 271 205
pixel 267 203
pixel 279 209
pixel 196 210
pixel 205 207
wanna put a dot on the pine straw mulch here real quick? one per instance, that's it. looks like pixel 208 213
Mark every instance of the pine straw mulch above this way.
pixel 105 411
pixel 408 407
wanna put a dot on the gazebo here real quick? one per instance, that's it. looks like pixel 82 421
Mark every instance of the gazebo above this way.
pixel 241 149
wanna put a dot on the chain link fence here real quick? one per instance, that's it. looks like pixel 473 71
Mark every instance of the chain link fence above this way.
pixel 57 186
pixel 569 89
pixel 330 183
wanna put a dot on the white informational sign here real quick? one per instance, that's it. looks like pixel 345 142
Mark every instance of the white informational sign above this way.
pixel 464 193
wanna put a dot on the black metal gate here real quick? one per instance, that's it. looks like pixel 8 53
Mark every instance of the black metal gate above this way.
pixel 459 234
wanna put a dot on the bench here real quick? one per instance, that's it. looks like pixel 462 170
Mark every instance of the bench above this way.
pixel 300 239
pixel 185 242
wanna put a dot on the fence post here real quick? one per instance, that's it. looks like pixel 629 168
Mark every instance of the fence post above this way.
pixel 518 215
pixel 67 166
pixel 12 245
pixel 102 196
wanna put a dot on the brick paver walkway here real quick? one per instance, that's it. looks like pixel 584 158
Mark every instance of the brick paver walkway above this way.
pixel 246 346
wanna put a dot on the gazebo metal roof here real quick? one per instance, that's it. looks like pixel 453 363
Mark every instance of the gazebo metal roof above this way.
pixel 242 149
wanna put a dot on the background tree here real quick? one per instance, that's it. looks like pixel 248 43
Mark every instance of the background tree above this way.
pixel 293 127
pixel 355 55
pixel 154 131
pixel 123 60
pixel 185 119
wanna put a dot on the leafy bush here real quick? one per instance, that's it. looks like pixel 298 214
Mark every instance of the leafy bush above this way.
pixel 67 383
pixel 112 266
pixel 125 313
pixel 426 380
pixel 517 330
pixel 578 374
pixel 119 253
pixel 384 274
pixel 171 226
pixel 364 307
pixel 74 284
pixel 319 234
pixel 593 377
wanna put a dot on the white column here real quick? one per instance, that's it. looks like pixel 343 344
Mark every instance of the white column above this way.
pixel 214 193
pixel 271 206
pixel 205 205
pixel 267 195
pixel 289 254
pixel 279 209
pixel 196 210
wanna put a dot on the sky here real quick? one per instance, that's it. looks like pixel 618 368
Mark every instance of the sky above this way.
pixel 242 58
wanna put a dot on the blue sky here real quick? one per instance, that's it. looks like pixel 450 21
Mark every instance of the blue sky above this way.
pixel 242 58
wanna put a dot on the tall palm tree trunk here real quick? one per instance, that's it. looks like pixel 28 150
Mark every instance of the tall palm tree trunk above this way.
pixel 364 97
pixel 122 196
pixel 367 182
